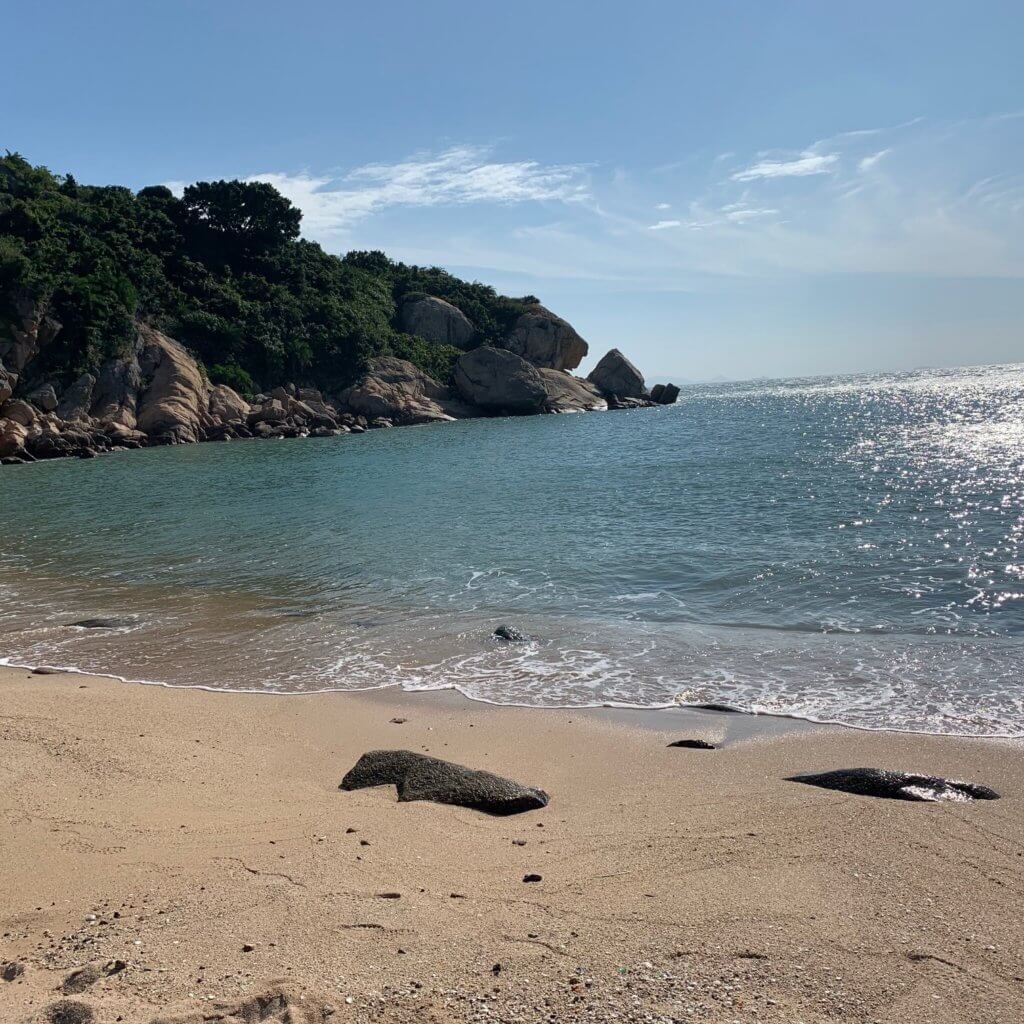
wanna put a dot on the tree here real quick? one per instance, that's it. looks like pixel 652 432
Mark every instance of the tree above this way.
pixel 247 217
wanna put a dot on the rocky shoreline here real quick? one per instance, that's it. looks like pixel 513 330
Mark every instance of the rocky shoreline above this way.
pixel 158 393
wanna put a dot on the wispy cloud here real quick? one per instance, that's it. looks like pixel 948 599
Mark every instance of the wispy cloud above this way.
pixel 458 176
pixel 807 163
pixel 866 163
pixel 663 224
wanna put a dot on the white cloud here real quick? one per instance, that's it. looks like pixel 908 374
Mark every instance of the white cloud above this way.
pixel 869 161
pixel 807 163
pixel 458 176
pixel 663 206
pixel 663 224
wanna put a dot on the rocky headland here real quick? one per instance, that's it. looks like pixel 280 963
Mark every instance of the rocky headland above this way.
pixel 158 394
pixel 130 319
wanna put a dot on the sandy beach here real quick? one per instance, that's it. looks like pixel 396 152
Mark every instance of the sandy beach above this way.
pixel 195 851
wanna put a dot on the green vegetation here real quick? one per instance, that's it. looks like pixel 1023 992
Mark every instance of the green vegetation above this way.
pixel 223 270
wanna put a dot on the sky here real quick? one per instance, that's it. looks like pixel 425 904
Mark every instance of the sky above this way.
pixel 733 188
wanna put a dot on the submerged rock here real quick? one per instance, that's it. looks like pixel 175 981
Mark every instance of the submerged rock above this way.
pixel 511 634
pixel 111 623
pixel 897 785
pixel 419 777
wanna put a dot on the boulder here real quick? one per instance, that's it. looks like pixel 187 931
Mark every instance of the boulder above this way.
pixel 12 438
pixel 76 401
pixel 435 320
pixel 224 405
pixel 19 411
pixel 271 411
pixel 546 340
pixel 396 390
pixel 44 398
pixel 616 375
pixel 499 381
pixel 566 393
pixel 419 777
pixel 172 404
pixel 664 394
pixel 891 785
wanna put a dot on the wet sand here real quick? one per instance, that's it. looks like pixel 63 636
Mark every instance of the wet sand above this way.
pixel 200 840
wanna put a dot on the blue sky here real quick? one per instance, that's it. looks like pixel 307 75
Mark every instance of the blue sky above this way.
pixel 724 188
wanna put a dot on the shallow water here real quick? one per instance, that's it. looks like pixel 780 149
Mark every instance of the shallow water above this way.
pixel 844 549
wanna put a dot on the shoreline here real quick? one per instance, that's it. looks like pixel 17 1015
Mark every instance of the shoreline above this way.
pixel 747 724
pixel 204 844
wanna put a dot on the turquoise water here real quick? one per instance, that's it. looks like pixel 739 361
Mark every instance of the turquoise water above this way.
pixel 844 549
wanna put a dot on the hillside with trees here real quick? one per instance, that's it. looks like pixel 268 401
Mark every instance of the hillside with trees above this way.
pixel 223 269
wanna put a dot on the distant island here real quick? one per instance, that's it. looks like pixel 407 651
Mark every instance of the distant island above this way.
pixel 130 319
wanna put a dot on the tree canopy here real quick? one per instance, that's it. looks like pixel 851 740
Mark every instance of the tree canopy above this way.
pixel 224 270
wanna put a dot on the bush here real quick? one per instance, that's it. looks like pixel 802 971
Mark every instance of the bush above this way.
pixel 234 377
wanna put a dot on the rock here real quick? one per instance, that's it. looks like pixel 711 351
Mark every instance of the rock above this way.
pixel 616 375
pixel 109 623
pixel 28 334
pixel 398 721
pixel 12 970
pixel 396 390
pixel 116 393
pixel 8 381
pixel 76 401
pixel 694 744
pixel 891 785
pixel 566 393
pixel 614 402
pixel 171 406
pixel 248 947
pixel 419 777
pixel 44 398
pixel 533 878
pixel 68 1011
pixel 12 438
pixel 19 411
pixel 499 381
pixel 271 411
pixel 511 634
pixel 546 340
pixel 668 396
pixel 224 405
pixel 435 320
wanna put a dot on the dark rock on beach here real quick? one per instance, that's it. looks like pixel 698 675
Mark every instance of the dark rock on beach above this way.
pixel 694 744
pixel 890 785
pixel 511 634
pixel 419 777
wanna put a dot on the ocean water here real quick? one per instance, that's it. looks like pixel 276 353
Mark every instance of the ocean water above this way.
pixel 845 549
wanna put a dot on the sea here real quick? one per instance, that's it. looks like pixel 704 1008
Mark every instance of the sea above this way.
pixel 842 549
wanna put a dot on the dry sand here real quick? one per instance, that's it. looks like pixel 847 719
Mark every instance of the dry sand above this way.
pixel 201 840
